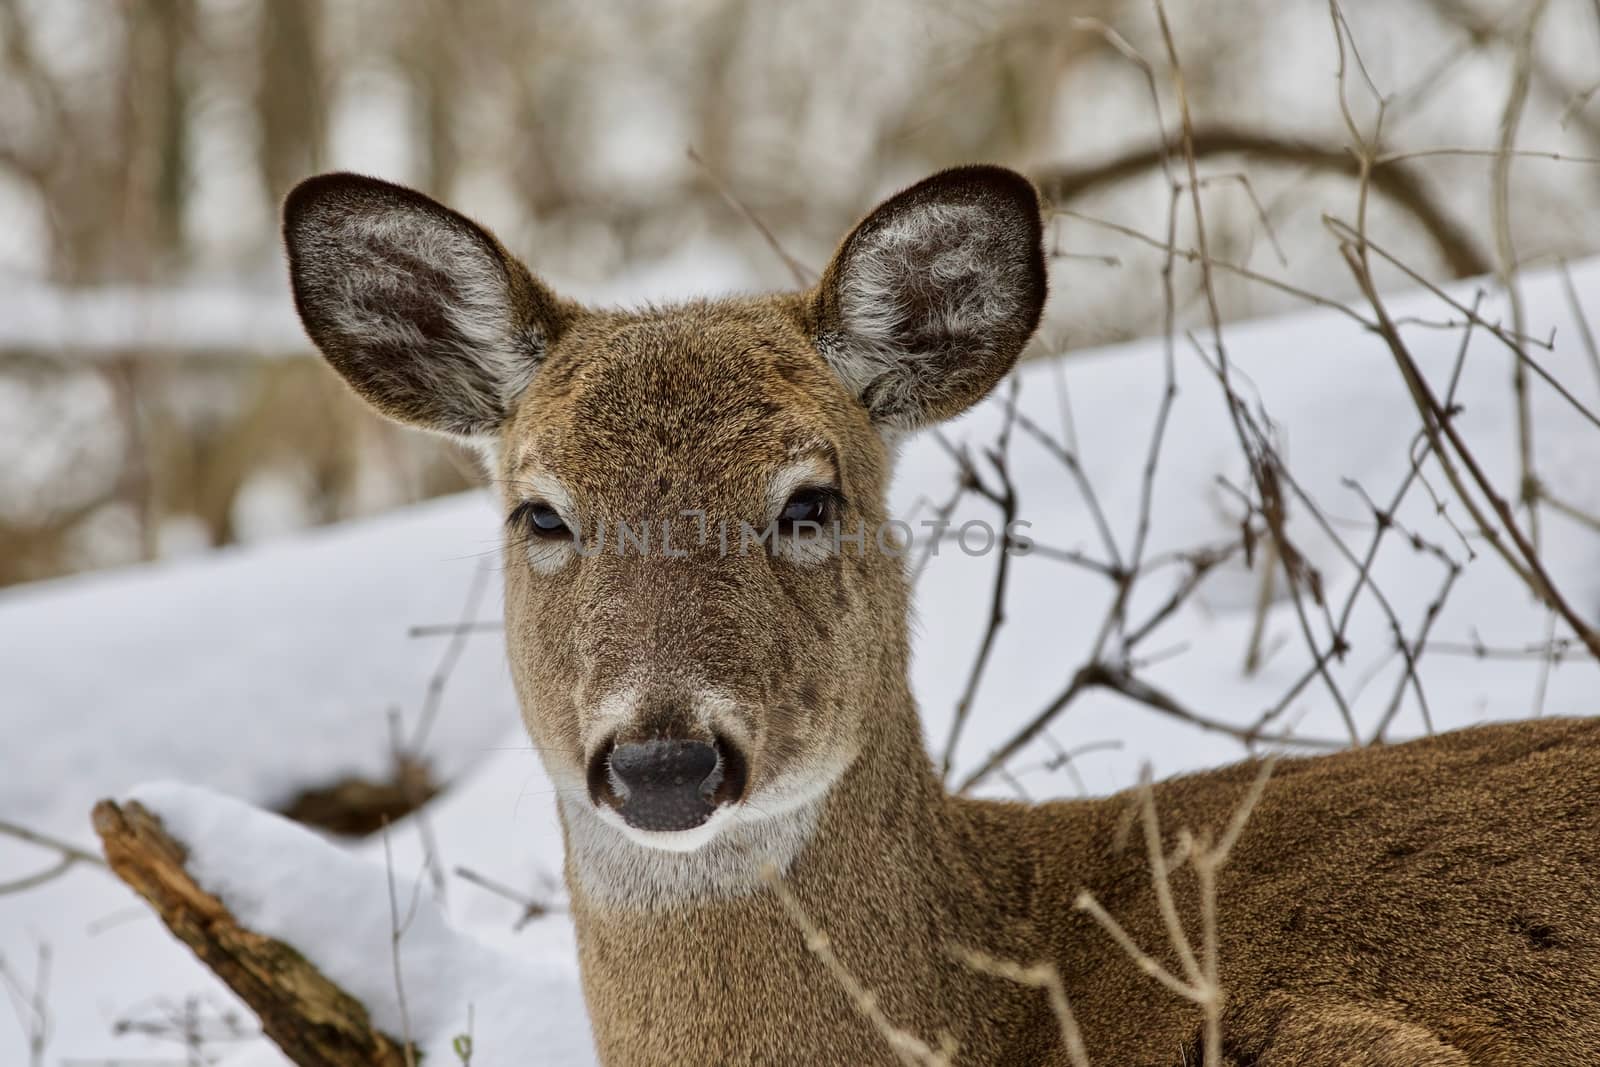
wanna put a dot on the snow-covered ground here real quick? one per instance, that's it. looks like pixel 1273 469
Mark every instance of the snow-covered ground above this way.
pixel 259 672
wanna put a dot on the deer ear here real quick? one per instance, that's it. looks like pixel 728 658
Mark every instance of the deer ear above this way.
pixel 416 306
pixel 928 302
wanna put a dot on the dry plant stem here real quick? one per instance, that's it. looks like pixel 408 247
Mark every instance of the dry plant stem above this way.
pixel 1125 576
pixel 447 629
pixel 1169 395
pixel 1101 676
pixel 32 1008
pixel 1006 500
pixel 1255 203
pixel 1516 343
pixel 405 755
pixel 1485 29
pixel 1162 155
pixel 1365 148
pixel 803 275
pixel 1141 959
pixel 1468 152
pixel 1506 255
pixel 1162 880
pixel 531 908
pixel 70 856
pixel 434 696
pixel 941 515
pixel 1189 255
pixel 1585 332
pixel 1265 592
pixel 1262 465
pixel 313 1021
pixel 1074 557
pixel 1433 418
pixel 1383 522
pixel 1158 700
pixel 1580 101
pixel 1270 477
pixel 1575 514
pixel 397 931
pixel 1091 500
pixel 1409 653
pixel 1207 863
pixel 1557 649
pixel 1437 423
pixel 417 804
pixel 1204 982
pixel 1200 565
pixel 1069 426
pixel 1043 976
pixel 1412 653
pixel 1546 668
pixel 1063 759
pixel 908 1048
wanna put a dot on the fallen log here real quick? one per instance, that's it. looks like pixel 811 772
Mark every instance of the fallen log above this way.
pixel 311 1019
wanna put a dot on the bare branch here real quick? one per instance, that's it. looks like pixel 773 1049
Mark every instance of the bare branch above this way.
pixel 907 1047
pixel 1453 240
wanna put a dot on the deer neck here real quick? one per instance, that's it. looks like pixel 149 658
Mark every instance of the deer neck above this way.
pixel 885 864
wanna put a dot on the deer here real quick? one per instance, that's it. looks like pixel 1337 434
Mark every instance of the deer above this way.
pixel 724 719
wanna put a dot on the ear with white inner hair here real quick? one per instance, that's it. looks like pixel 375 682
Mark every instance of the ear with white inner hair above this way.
pixel 419 308
pixel 929 301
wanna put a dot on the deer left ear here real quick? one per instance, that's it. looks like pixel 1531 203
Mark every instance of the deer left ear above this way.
pixel 929 301
pixel 419 308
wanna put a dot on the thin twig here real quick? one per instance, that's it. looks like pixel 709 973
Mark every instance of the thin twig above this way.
pixel 1005 498
pixel 803 275
pixel 70 856
pixel 1585 333
pixel 907 1047
pixel 1506 258
pixel 397 930
pixel 1043 976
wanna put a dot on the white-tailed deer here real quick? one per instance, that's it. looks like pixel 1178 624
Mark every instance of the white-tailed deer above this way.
pixel 712 703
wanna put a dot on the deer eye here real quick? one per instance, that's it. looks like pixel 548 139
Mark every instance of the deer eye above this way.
pixel 813 504
pixel 537 519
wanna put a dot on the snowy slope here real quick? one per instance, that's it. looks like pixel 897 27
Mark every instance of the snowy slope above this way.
pixel 262 671
pixel 293 652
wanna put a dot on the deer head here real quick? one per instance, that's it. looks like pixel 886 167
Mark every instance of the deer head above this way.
pixel 699 585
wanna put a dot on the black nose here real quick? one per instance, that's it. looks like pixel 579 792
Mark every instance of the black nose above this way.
pixel 660 784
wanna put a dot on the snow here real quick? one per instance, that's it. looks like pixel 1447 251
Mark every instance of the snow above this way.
pixel 293 652
pixel 258 672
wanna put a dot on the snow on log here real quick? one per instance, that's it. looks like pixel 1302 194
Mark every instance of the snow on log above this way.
pixel 344 959
pixel 315 1023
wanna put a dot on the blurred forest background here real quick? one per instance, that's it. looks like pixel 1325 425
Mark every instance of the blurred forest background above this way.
pixel 156 397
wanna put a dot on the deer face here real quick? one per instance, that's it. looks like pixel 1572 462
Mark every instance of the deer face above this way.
pixel 702 596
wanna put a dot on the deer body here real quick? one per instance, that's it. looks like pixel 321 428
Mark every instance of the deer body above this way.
pixel 1432 904
pixel 716 712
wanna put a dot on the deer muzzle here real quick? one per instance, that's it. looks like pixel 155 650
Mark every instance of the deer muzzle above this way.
pixel 667 784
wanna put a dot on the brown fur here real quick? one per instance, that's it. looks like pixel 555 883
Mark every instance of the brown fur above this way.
pixel 1434 903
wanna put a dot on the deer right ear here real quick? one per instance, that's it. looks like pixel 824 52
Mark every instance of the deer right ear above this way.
pixel 419 308
pixel 929 301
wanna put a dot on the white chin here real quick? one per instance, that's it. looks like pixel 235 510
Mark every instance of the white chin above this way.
pixel 672 840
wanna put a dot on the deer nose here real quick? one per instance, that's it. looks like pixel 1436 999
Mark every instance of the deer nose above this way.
pixel 660 784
